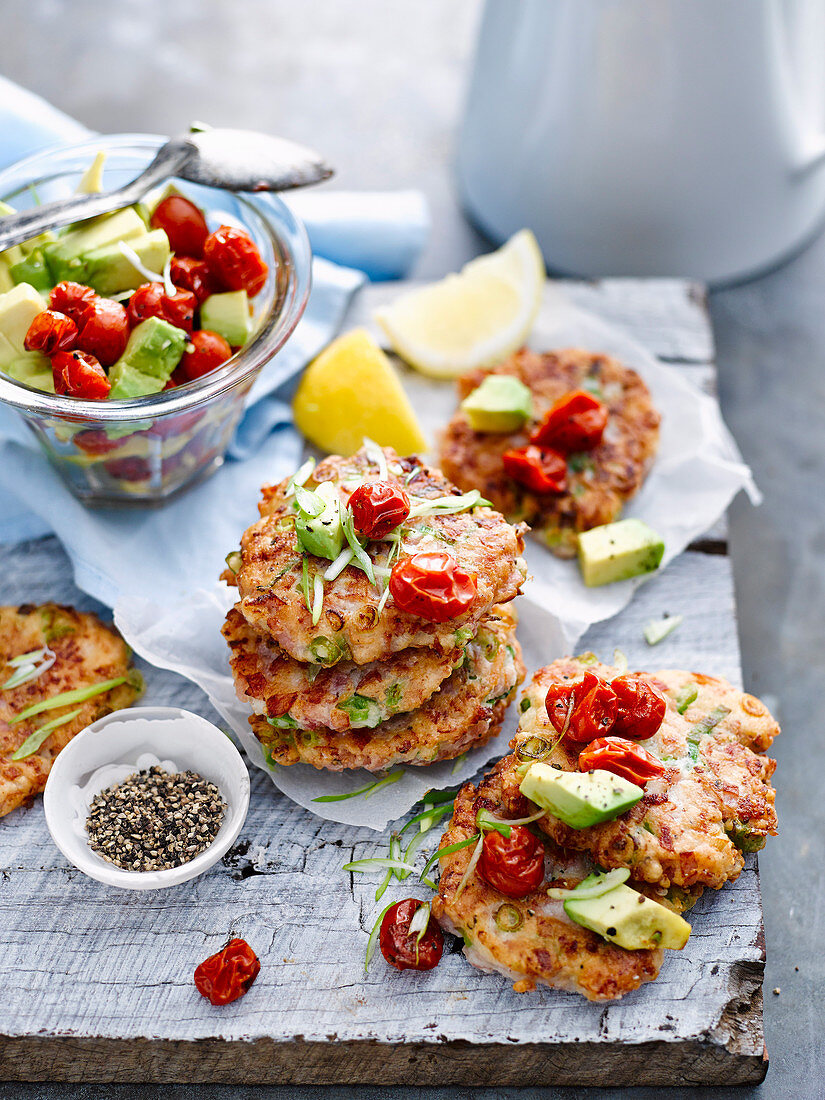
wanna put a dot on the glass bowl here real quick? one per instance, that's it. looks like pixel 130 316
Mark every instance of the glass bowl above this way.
pixel 143 450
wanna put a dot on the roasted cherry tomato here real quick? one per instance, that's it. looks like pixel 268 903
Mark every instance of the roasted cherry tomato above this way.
pixel 582 710
pixel 432 585
pixel 151 300
pixel 192 275
pixel 209 351
pixel 512 865
pixel 51 332
pixel 183 223
pixel 378 508
pixel 73 299
pixel 234 260
pixel 540 471
pixel 227 975
pixel 622 757
pixel 575 423
pixel 94 441
pixel 103 330
pixel 78 374
pixel 405 950
pixel 641 708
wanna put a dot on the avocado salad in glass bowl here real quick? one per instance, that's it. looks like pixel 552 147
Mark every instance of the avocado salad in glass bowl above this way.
pixel 129 342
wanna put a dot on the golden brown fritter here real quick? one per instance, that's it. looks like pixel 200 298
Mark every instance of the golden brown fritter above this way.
pixel 350 627
pixel 86 653
pixel 714 802
pixel 466 711
pixel 600 481
pixel 546 947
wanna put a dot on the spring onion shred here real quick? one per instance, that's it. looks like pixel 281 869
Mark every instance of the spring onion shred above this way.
pixel 371 942
pixel 169 287
pixel 28 667
pixel 620 660
pixel 418 925
pixel 137 264
pixel 361 558
pixel 36 739
pixel 459 760
pixel 445 506
pixel 305 583
pixel 381 571
pixel 317 598
pixel 32 656
pixel 395 854
pixel 375 454
pixel 447 852
pixel 471 866
pixel 310 503
pixel 339 565
pixel 300 477
pixel 411 849
pixel 377 862
pixel 486 820
pixel 79 695
pixel 371 788
pixel 594 886
pixel 658 629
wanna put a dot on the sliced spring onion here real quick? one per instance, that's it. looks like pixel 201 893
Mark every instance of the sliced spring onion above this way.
pixel 305 583
pixel 593 886
pixel 508 918
pixel 362 711
pixel 620 661
pixel 445 506
pixel 657 630
pixel 385 595
pixel 28 667
pixel 169 287
pixel 428 817
pixel 371 942
pixel 300 477
pixel 395 853
pixel 36 739
pixel 409 853
pixel 375 454
pixel 32 657
pixel 370 789
pixel 486 820
pixel 311 504
pixel 459 760
pixel 377 862
pixel 448 851
pixel 137 263
pixel 685 696
pixel 703 726
pixel 361 558
pixel 234 561
pixel 471 866
pixel 65 698
pixel 339 565
pixel 418 925
pixel 317 598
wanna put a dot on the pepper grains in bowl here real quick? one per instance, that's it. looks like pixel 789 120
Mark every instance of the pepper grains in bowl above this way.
pixel 155 820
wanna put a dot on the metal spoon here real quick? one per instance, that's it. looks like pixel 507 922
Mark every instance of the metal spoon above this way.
pixel 235 160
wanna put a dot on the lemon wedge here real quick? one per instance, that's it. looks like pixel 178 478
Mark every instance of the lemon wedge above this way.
pixel 350 391
pixel 473 319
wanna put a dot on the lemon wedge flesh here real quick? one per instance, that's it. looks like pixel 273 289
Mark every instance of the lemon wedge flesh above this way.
pixel 473 319
pixel 350 391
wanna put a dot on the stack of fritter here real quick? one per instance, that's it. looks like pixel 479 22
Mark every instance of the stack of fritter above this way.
pixel 338 673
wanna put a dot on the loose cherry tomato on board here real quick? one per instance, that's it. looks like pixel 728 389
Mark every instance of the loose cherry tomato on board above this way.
pixel 151 300
pixel 512 865
pixel 405 950
pixel 582 710
pixel 541 471
pixel 378 508
pixel 78 374
pixel 575 423
pixel 621 757
pixel 103 330
pixel 432 585
pixel 641 708
pixel 183 223
pixel 210 350
pixel 73 299
pixel 234 260
pixel 51 332
pixel 192 275
pixel 228 974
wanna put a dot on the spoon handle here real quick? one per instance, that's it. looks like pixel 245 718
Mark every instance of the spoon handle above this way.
pixel 22 226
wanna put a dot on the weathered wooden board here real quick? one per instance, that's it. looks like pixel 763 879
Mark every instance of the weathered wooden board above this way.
pixel 97 983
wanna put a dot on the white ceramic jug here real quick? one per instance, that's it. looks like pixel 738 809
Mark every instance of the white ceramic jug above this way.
pixel 649 137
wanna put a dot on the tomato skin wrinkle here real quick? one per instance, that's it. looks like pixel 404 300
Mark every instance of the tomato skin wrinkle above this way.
pixel 72 299
pixel 234 260
pixel 431 585
pixel 538 469
pixel 194 275
pixel 228 974
pixel 399 947
pixel 641 708
pixel 51 332
pixel 593 709
pixel 210 351
pixel 151 300
pixel 621 757
pixel 183 223
pixel 576 422
pixel 512 865
pixel 103 330
pixel 78 374
pixel 378 508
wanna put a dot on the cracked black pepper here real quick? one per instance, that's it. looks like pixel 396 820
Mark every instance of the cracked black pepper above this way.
pixel 155 820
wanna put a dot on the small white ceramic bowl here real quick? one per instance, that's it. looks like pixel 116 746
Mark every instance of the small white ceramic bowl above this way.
pixel 108 751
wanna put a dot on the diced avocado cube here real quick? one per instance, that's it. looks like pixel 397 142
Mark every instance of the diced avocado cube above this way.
pixel 6 281
pixel 33 369
pixel 228 315
pixel 18 308
pixel 322 535
pixel 32 269
pixel 153 351
pixel 629 919
pixel 579 799
pixel 64 256
pixel 109 270
pixel 500 404
pixel 618 551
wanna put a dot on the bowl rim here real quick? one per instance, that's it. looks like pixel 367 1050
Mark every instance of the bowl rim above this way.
pixel 289 236
pixel 61 778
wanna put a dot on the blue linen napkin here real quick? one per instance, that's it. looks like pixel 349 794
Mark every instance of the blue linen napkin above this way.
pixel 120 552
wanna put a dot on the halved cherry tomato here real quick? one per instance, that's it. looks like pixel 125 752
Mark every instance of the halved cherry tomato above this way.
pixel 512 865
pixel 575 423
pixel 541 471
pixel 78 374
pixel 209 351
pixel 192 275
pixel 582 710
pixel 151 300
pixel 432 585
pixel 641 708
pixel 621 757
pixel 406 951
pixel 51 332
pixel 103 330
pixel 183 223
pixel 234 260
pixel 228 974
pixel 73 299
pixel 378 508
